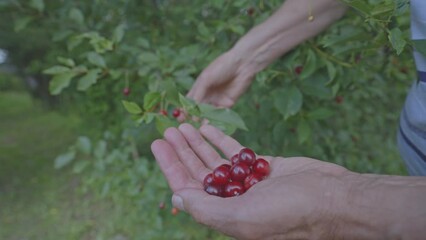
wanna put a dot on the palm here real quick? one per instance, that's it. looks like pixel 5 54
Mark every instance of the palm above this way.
pixel 185 158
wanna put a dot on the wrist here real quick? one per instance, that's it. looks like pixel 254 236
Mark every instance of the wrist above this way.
pixel 245 68
pixel 378 207
pixel 355 210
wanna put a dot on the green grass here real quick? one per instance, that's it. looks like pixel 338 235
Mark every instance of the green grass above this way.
pixel 37 201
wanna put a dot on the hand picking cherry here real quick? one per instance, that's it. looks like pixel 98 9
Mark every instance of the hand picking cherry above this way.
pixel 235 179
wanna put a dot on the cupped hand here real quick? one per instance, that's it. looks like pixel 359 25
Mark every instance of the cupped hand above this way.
pixel 222 82
pixel 297 200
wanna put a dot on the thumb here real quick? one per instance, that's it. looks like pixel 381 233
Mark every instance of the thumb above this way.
pixel 190 196
pixel 204 208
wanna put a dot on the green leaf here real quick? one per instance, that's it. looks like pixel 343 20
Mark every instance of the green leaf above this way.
pixel 88 79
pixel 222 115
pixel 203 30
pixel 397 40
pixel 143 42
pixel 66 61
pixel 74 42
pixel 150 100
pixel 148 117
pixel 163 122
pixel 100 149
pixel 22 23
pixel 315 85
pixel 147 57
pixel 132 107
pixel 309 65
pixel 84 145
pixel 189 105
pixel 303 131
pixel 359 5
pixel 76 15
pixel 61 35
pixel 80 166
pixel 345 36
pixel 60 81
pixel 279 131
pixel 186 102
pixel 96 59
pixel 115 74
pixel 37 5
pixel 382 9
pixel 237 29
pixel 226 128
pixel 288 101
pixel 118 33
pixel 56 70
pixel 101 44
pixel 331 70
pixel 320 113
pixel 420 46
pixel 401 6
pixel 64 159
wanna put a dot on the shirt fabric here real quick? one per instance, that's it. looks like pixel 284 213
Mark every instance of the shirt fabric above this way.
pixel 412 128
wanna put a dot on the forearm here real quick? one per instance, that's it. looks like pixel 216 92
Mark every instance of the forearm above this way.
pixel 382 207
pixel 286 28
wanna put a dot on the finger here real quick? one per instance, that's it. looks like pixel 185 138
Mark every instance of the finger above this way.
pixel 197 92
pixel 221 101
pixel 174 171
pixel 189 159
pixel 225 143
pixel 203 149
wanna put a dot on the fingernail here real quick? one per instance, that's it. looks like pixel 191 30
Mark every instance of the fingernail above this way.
pixel 177 202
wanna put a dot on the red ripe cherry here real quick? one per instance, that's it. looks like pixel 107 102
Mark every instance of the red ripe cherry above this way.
pixel 234 159
pixel 261 166
pixel 239 172
pixel 215 190
pixel 251 180
pixel 176 112
pixel 208 180
pixel 126 91
pixel 338 99
pixel 222 174
pixel 233 189
pixel 163 112
pixel 161 205
pixel 247 156
pixel 298 70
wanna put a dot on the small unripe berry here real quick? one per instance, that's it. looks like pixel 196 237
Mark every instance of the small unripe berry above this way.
pixel 176 112
pixel 163 112
pixel 250 11
pixel 126 91
pixel 175 211
pixel 298 70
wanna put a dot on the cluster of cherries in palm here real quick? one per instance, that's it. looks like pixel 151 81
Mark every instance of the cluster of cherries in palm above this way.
pixel 235 179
